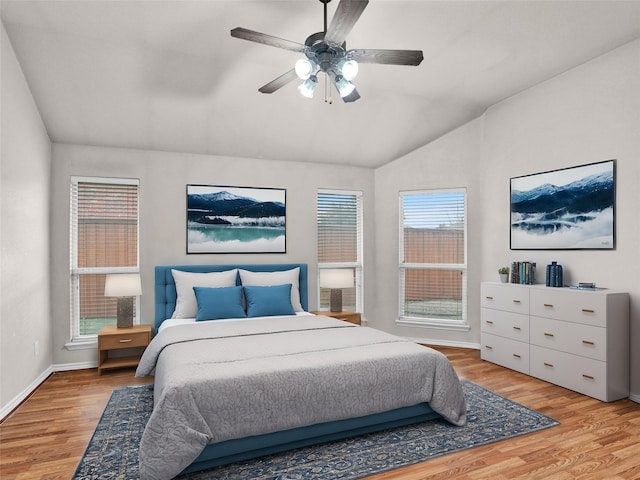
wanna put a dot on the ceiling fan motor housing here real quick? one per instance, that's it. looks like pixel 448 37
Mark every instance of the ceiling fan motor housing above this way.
pixel 325 56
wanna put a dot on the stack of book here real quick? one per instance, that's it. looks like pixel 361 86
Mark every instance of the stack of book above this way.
pixel 523 273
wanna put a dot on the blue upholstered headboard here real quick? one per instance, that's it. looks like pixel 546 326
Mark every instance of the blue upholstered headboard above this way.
pixel 165 287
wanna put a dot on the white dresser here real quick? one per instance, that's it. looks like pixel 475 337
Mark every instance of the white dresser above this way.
pixel 577 339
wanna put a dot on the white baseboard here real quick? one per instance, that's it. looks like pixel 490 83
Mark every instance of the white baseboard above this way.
pixel 18 399
pixel 65 367
pixel 21 397
pixel 635 397
pixel 431 341
pixel 445 343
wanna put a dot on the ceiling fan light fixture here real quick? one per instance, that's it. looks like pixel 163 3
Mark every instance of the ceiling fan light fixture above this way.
pixel 349 69
pixel 305 68
pixel 326 52
pixel 344 86
pixel 307 88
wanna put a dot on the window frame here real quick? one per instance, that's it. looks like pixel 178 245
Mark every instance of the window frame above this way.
pixel 435 323
pixel 358 265
pixel 79 340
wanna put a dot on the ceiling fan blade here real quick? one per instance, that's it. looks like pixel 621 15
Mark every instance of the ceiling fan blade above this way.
pixel 352 97
pixel 265 39
pixel 279 82
pixel 346 16
pixel 390 57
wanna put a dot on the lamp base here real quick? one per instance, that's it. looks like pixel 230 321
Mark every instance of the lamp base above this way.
pixel 336 300
pixel 125 312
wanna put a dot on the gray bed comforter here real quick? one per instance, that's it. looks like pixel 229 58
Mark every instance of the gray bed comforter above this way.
pixel 217 381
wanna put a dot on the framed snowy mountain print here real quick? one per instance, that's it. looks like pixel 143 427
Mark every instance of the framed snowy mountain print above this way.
pixel 568 209
pixel 224 219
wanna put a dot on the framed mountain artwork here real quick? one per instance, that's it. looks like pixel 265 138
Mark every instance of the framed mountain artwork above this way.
pixel 223 219
pixel 567 209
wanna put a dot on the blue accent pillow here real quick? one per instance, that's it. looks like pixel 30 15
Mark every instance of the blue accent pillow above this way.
pixel 217 303
pixel 266 301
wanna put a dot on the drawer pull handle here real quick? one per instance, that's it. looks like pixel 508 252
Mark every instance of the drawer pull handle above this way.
pixel 588 310
pixel 588 377
pixel 517 328
pixel 489 298
pixel 516 355
pixel 588 342
pixel 127 340
pixel 548 334
pixel 516 301
pixel 488 347
pixel 490 322
pixel 548 364
pixel 548 305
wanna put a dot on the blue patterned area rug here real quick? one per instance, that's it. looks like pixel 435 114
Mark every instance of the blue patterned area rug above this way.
pixel 113 450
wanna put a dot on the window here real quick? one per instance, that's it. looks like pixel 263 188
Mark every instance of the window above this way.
pixel 433 251
pixel 104 239
pixel 339 217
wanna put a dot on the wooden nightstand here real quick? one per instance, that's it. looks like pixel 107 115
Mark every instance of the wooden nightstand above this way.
pixel 113 338
pixel 351 317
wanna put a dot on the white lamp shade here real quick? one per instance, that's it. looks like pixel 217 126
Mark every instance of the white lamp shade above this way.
pixel 336 278
pixel 122 285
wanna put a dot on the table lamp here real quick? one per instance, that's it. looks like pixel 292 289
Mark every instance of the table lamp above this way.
pixel 125 286
pixel 336 279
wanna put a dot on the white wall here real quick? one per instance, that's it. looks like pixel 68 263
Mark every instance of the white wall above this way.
pixel 452 161
pixel 163 179
pixel 588 114
pixel 25 165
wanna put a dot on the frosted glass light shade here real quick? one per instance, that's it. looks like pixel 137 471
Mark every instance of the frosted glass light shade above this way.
pixel 307 88
pixel 349 69
pixel 344 86
pixel 122 285
pixel 336 278
pixel 305 68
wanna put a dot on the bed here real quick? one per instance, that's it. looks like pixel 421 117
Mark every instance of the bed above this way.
pixel 236 388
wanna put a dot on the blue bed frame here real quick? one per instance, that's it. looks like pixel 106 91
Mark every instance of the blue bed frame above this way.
pixel 236 450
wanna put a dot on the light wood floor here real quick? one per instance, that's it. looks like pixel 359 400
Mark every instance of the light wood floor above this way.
pixel 46 436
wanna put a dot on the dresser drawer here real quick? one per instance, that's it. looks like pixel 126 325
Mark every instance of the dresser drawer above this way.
pixel 589 308
pixel 506 352
pixel 583 375
pixel 584 340
pixel 506 324
pixel 123 340
pixel 504 296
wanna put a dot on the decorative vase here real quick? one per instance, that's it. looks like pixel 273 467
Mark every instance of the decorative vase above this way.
pixel 554 276
pixel 504 277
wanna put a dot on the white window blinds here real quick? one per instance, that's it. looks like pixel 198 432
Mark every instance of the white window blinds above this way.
pixel 433 258
pixel 339 224
pixel 104 239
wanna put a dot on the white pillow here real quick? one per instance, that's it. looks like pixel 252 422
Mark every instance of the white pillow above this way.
pixel 186 304
pixel 267 279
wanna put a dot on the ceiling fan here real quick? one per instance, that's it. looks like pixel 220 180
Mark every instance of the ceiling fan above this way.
pixel 326 52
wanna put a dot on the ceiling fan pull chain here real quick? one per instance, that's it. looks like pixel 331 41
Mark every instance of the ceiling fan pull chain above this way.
pixel 327 91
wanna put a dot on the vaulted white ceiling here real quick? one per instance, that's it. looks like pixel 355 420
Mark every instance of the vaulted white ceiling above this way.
pixel 167 75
